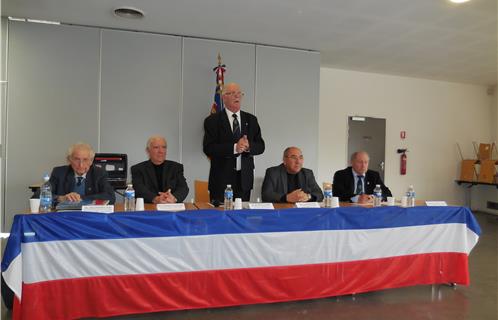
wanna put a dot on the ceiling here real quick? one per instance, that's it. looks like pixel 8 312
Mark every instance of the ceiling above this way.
pixel 431 39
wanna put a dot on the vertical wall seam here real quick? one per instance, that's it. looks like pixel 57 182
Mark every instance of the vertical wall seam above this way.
pixel 255 75
pixel 180 114
pixel 4 128
pixel 99 93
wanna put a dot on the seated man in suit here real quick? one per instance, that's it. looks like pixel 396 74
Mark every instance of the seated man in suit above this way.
pixel 158 180
pixel 80 180
pixel 290 182
pixel 356 183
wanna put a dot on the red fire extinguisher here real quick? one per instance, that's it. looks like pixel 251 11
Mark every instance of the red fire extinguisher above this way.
pixel 403 160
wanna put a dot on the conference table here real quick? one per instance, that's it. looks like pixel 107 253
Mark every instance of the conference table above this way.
pixel 78 264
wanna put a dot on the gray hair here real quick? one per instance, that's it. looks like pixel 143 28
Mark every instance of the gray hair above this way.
pixel 80 146
pixel 155 137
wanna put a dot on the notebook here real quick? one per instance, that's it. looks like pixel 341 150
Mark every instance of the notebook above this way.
pixel 71 206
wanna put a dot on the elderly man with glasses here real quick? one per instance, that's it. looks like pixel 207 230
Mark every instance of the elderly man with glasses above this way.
pixel 232 138
pixel 80 180
pixel 289 181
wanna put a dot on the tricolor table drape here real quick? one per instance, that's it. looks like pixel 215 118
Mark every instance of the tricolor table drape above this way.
pixel 73 264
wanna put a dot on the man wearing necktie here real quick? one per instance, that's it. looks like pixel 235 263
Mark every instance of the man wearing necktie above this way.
pixel 356 183
pixel 80 179
pixel 232 138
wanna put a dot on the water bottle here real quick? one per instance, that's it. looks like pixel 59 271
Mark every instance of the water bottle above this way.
pixel 129 198
pixel 410 194
pixel 377 195
pixel 327 196
pixel 46 195
pixel 228 205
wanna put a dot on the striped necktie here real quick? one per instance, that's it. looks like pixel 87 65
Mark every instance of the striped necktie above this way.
pixel 80 186
pixel 359 186
pixel 236 128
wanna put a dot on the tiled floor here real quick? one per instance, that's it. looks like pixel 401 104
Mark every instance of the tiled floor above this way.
pixel 479 301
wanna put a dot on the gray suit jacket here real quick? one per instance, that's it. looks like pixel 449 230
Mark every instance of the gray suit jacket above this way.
pixel 275 184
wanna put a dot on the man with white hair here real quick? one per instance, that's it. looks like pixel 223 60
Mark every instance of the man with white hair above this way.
pixel 80 179
pixel 158 180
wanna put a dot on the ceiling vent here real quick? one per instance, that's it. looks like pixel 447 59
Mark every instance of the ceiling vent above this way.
pixel 129 13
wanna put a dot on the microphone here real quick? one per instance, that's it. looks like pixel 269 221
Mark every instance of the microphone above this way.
pixel 215 203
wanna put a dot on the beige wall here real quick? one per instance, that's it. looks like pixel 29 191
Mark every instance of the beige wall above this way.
pixel 482 194
pixel 435 115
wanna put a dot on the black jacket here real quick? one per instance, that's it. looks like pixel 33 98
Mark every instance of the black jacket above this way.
pixel 218 146
pixel 144 180
pixel 343 185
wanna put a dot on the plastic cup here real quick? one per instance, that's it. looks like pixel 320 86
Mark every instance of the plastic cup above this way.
pixel 139 204
pixel 404 201
pixel 335 202
pixel 34 205
pixel 390 201
pixel 237 205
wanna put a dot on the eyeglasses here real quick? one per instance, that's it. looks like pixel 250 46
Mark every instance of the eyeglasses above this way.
pixel 234 94
pixel 295 158
pixel 81 160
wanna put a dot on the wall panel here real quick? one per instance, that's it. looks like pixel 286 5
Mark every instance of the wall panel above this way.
pixel 53 74
pixel 141 92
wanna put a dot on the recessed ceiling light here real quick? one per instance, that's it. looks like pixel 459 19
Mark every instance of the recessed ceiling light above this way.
pixel 129 13
pixel 459 1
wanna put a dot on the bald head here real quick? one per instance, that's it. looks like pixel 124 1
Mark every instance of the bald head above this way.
pixel 360 161
pixel 293 160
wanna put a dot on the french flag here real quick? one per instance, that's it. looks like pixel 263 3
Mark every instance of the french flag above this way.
pixel 75 265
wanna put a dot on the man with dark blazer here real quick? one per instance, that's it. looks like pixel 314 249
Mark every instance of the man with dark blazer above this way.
pixel 356 183
pixel 289 181
pixel 231 139
pixel 158 180
pixel 80 180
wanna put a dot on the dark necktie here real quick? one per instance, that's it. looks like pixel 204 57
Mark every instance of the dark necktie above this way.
pixel 359 185
pixel 80 186
pixel 236 128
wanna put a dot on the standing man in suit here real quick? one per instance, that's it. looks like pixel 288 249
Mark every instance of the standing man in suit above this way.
pixel 158 180
pixel 231 139
pixel 290 182
pixel 356 183
pixel 80 180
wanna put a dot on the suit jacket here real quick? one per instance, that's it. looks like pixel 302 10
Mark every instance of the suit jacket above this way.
pixel 275 184
pixel 96 185
pixel 343 185
pixel 143 176
pixel 218 146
